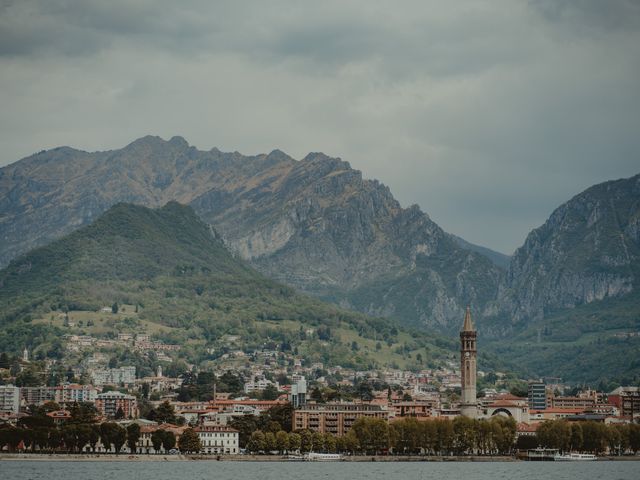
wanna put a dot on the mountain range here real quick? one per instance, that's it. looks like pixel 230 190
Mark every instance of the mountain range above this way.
pixel 313 224
pixel 317 225
pixel 181 283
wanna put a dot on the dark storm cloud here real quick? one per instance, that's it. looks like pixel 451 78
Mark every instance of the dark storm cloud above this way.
pixel 486 113
pixel 584 14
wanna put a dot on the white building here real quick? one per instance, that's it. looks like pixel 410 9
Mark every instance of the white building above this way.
pixel 114 376
pixel 259 385
pixel 9 399
pixel 72 393
pixel 218 439
pixel 298 396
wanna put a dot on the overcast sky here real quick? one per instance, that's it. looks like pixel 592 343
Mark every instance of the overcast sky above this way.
pixel 488 114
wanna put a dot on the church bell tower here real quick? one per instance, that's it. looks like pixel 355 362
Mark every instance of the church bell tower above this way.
pixel 468 365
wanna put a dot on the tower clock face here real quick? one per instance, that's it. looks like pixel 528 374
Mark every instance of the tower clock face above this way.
pixel 466 354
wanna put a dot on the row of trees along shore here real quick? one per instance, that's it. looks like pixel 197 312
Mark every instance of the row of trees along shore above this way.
pixel 461 436
pixel 272 432
pixel 408 436
pixel 38 432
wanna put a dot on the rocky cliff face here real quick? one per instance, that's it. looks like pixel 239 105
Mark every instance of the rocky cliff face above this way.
pixel 315 224
pixel 588 250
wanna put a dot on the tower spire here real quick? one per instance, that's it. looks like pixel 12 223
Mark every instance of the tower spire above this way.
pixel 468 323
pixel 468 365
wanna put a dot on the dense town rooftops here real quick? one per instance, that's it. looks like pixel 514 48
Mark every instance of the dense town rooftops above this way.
pixel 215 428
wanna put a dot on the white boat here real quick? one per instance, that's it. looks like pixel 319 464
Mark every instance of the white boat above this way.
pixel 323 457
pixel 575 457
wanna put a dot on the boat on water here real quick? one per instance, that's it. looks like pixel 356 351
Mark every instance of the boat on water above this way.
pixel 542 454
pixel 323 457
pixel 574 457
pixel 294 458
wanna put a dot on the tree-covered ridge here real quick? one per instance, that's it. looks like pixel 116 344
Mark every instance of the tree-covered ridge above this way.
pixel 178 274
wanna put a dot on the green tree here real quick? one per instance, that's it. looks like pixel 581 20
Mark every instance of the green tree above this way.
pixel 634 437
pixel 69 436
pixel 306 441
pixel 114 307
pixel 330 444
pixel 83 435
pixel 55 440
pixel 133 435
pixel 282 414
pixel 83 413
pixel 108 434
pixel 269 442
pixel 165 413
pixel 372 434
pixel 246 426
pixel 256 443
pixel 594 437
pixel 189 442
pixel 94 436
pixel 294 441
pixel 156 440
pixel 504 433
pixel 168 440
pixel 5 361
pixel 270 392
pixel 317 440
pixel 464 430
pixel 444 438
pixel 576 437
pixel 119 437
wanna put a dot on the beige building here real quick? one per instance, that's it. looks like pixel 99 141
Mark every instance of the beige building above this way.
pixel 218 439
pixel 335 418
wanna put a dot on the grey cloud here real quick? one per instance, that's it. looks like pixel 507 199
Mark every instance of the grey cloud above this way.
pixel 588 14
pixel 486 113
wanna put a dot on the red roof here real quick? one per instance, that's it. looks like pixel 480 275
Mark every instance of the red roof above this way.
pixel 503 403
pixel 559 410
pixel 527 427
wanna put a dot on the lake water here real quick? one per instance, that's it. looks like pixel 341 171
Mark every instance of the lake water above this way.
pixel 211 470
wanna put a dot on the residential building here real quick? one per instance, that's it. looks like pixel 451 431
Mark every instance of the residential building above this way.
pixel 114 376
pixel 74 393
pixel 218 439
pixel 298 396
pixel 627 400
pixel 9 399
pixel 110 403
pixel 36 395
pixel 537 395
pixel 258 385
pixel 335 418
pixel 415 408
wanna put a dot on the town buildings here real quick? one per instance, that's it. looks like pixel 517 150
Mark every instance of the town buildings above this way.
pixel 218 439
pixel 627 400
pixel 117 405
pixel 9 399
pixel 114 376
pixel 537 395
pixel 335 418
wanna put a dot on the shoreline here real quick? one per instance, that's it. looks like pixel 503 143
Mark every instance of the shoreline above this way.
pixel 39 457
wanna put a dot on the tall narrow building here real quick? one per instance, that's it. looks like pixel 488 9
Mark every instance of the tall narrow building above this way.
pixel 468 365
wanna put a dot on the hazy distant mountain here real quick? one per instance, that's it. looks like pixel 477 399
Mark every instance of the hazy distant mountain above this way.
pixel 588 250
pixel 499 259
pixel 315 224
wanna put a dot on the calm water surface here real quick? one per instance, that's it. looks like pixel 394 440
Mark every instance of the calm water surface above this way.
pixel 211 470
